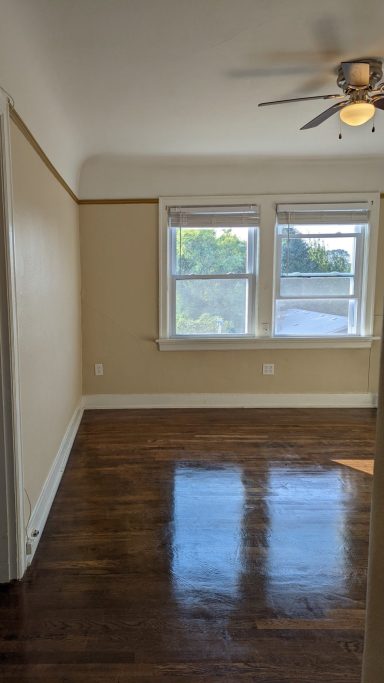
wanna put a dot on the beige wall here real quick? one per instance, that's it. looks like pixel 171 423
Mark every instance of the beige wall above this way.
pixel 48 301
pixel 119 247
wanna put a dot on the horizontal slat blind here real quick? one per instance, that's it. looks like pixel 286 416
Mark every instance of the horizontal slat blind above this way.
pixel 323 214
pixel 242 216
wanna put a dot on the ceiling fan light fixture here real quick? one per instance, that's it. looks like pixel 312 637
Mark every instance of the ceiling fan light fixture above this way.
pixel 357 113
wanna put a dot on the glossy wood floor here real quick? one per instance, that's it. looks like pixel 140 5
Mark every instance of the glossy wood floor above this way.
pixel 200 546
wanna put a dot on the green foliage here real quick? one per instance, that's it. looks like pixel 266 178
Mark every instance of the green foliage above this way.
pixel 202 252
pixel 311 256
pixel 213 306
pixel 339 261
pixel 210 307
pixel 295 257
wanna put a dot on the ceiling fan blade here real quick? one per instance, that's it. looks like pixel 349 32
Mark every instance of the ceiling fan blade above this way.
pixel 378 102
pixel 301 99
pixel 356 73
pixel 324 115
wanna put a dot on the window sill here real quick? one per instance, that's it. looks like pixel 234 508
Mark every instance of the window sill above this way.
pixel 253 343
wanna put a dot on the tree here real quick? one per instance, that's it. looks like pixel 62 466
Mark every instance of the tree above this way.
pixel 339 261
pixel 210 306
pixel 295 257
pixel 311 256
pixel 204 252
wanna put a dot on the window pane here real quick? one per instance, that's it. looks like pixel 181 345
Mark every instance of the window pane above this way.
pixel 306 317
pixel 316 286
pixel 210 251
pixel 325 255
pixel 211 306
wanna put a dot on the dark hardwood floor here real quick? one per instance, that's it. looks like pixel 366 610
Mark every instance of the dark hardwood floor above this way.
pixel 200 545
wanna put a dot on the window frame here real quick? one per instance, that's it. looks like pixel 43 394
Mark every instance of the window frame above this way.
pixel 263 337
pixel 357 275
pixel 168 297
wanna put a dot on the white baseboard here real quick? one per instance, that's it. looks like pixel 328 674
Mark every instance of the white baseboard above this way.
pixel 42 508
pixel 105 401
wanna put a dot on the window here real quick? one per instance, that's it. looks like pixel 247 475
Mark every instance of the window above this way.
pixel 267 271
pixel 212 270
pixel 319 268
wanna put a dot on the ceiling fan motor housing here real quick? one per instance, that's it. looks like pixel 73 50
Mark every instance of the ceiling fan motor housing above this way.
pixel 359 74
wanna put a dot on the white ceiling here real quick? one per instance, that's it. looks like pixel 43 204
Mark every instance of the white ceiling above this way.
pixel 168 79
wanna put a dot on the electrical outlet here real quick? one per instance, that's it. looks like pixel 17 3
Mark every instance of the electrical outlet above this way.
pixel 268 368
pixel 99 369
pixel 265 328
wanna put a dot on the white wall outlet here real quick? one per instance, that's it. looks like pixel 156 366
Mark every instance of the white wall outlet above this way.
pixel 99 369
pixel 265 328
pixel 268 368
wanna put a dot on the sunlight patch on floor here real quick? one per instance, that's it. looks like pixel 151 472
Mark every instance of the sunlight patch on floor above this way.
pixel 361 465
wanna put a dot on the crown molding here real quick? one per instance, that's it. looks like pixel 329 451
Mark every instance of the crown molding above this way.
pixel 144 200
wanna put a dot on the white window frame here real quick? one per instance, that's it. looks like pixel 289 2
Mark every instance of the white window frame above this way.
pixel 358 276
pixel 249 277
pixel 266 268
pixel 168 276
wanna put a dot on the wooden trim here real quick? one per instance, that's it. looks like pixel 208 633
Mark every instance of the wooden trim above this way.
pixel 144 200
pixel 23 128
pixel 18 121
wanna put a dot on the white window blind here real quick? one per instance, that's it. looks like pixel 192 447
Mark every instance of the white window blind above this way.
pixel 237 216
pixel 323 214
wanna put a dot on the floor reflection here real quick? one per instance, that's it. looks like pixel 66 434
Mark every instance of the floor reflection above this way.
pixel 307 545
pixel 208 513
pixel 279 543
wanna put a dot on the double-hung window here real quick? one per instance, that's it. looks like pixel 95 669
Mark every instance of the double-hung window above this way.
pixel 267 271
pixel 211 269
pixel 319 266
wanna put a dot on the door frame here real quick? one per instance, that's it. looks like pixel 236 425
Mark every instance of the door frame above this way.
pixel 13 538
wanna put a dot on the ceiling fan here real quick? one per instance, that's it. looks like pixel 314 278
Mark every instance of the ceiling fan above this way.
pixel 362 94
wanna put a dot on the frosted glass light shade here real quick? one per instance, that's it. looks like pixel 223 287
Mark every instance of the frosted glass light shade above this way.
pixel 357 113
